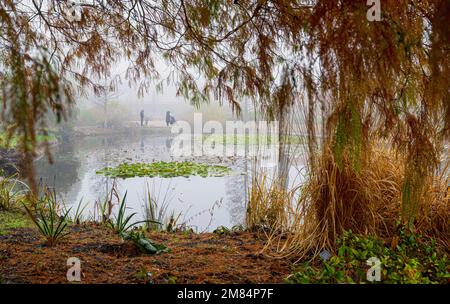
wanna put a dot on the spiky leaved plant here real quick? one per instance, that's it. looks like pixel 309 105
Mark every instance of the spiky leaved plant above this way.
pixel 48 219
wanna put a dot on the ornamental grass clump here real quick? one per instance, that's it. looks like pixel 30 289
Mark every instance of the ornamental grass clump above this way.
pixel 48 217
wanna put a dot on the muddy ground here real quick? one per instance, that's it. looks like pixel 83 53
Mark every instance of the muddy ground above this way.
pixel 105 258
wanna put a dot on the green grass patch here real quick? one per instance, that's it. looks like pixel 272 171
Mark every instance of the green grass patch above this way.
pixel 14 141
pixel 12 220
pixel 164 169
pixel 415 260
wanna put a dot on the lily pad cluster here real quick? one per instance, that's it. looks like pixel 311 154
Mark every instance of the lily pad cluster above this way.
pixel 164 169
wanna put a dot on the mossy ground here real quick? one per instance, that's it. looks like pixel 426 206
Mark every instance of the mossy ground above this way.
pixel 10 220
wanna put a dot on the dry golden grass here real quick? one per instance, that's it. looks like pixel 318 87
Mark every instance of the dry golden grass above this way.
pixel 433 217
pixel 267 207
pixel 335 199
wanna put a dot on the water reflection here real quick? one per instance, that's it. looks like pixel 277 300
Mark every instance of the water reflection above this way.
pixel 205 203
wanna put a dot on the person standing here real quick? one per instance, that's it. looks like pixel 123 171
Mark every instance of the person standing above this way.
pixel 168 118
pixel 142 117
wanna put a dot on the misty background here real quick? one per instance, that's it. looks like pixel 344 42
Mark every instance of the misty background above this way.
pixel 121 107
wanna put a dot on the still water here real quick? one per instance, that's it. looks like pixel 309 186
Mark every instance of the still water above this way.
pixel 202 203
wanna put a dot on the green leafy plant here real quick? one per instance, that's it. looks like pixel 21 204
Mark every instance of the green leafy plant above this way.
pixel 413 260
pixel 122 224
pixel 222 230
pixel 144 275
pixel 48 219
pixel 164 169
pixel 144 244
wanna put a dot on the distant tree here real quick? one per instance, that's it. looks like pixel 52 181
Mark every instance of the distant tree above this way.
pixel 104 102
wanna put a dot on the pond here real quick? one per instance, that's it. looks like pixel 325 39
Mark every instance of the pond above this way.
pixel 202 203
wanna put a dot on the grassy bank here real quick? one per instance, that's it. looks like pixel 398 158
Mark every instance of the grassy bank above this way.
pixel 13 142
pixel 11 220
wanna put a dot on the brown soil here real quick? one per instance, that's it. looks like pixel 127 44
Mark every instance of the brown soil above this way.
pixel 105 258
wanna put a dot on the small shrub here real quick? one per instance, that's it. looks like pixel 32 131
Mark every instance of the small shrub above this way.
pixel 122 224
pixel 222 230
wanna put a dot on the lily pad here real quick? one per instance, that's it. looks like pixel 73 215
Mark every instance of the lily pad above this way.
pixel 165 169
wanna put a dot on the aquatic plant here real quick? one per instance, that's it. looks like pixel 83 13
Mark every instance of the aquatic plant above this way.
pixel 103 207
pixel 122 222
pixel 77 217
pixel 164 169
pixel 156 210
pixel 50 222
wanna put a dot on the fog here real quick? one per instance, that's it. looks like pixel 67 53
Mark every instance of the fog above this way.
pixel 125 103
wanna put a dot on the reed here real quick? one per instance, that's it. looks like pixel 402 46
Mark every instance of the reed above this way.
pixel 156 209
pixel 269 206
pixel 337 198
pixel 12 192
pixel 103 207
